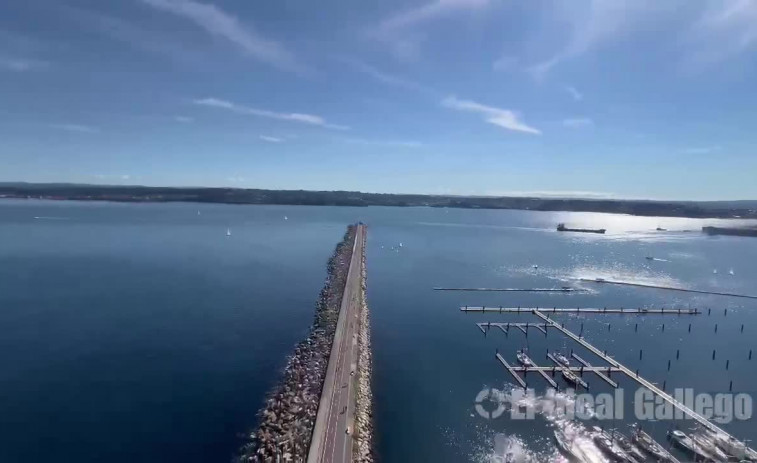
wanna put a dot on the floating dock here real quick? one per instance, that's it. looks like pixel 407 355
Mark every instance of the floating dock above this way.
pixel 517 290
pixel 669 288
pixel 512 372
pixel 587 365
pixel 603 372
pixel 505 327
pixel 638 311
pixel 634 376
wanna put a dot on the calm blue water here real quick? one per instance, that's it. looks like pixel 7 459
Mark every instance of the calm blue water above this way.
pixel 140 332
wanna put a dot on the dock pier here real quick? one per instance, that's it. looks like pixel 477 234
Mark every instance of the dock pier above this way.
pixel 669 288
pixel 517 290
pixel 634 376
pixel 604 310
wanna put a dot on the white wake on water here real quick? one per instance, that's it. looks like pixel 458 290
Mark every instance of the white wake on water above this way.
pixel 551 406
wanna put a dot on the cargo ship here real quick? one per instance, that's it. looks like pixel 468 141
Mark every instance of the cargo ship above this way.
pixel 730 231
pixel 561 227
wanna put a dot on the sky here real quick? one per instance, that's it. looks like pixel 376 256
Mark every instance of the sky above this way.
pixel 588 98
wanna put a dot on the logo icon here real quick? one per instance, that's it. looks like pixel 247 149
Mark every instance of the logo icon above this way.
pixel 490 396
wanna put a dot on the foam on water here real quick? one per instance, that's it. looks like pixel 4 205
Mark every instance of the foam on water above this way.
pixel 550 406
pixel 621 272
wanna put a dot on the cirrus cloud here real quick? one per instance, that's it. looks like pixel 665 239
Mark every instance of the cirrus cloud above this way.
pixel 246 110
pixel 504 118
pixel 219 23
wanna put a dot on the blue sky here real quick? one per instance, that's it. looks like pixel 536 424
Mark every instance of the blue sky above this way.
pixel 606 98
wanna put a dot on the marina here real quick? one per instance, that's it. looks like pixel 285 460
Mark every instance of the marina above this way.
pixel 574 374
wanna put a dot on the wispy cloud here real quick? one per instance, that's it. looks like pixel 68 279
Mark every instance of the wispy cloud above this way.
pixel 725 29
pixel 506 63
pixel 504 118
pixel 389 79
pixel 573 92
pixel 134 35
pixel 218 23
pixel 291 117
pixel 401 30
pixel 592 24
pixel 702 149
pixel 387 143
pixel 578 122
pixel 18 52
pixel 183 119
pixel 428 11
pixel 21 64
pixel 270 139
pixel 75 128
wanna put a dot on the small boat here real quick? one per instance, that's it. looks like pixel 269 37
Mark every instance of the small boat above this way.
pixel 228 232
pixel 647 444
pixel 566 447
pixel 730 272
pixel 734 447
pixel 571 377
pixel 628 446
pixel 684 442
pixel 707 444
pixel 524 359
pixel 661 229
pixel 400 244
pixel 286 218
pixel 561 359
pixel 610 448
pixel 534 266
pixel 198 212
pixel 599 280
pixel 650 258
pixel 715 271
pixel 562 228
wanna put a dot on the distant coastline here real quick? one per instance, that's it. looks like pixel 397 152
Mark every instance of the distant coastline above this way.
pixel 692 209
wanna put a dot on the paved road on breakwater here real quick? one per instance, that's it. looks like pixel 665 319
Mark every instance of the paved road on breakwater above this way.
pixel 331 440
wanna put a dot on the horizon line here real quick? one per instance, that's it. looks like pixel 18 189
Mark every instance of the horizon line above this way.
pixel 524 194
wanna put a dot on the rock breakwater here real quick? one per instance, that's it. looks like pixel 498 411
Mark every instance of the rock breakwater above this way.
pixel 287 419
pixel 364 410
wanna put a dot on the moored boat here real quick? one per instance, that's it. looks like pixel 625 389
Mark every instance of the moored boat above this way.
pixel 561 359
pixel 688 446
pixel 649 445
pixel 734 447
pixel 610 448
pixel 571 377
pixel 567 448
pixel 628 446
pixel 524 359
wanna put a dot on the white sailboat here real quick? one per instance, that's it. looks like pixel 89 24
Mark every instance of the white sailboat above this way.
pixel 228 232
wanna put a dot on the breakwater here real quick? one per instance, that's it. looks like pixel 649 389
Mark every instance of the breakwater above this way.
pixel 286 421
pixel 364 409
